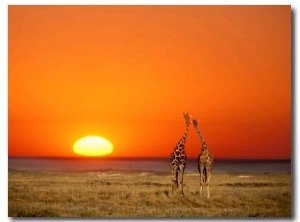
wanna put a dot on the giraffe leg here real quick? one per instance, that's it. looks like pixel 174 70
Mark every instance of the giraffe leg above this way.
pixel 180 182
pixel 207 187
pixel 201 179
pixel 174 181
pixel 207 181
pixel 201 185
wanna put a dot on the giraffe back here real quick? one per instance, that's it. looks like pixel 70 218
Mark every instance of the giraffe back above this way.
pixel 178 158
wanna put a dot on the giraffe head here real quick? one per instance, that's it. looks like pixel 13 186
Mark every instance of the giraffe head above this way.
pixel 187 118
pixel 195 123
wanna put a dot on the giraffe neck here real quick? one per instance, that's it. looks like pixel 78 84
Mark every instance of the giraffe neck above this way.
pixel 204 148
pixel 183 139
pixel 199 134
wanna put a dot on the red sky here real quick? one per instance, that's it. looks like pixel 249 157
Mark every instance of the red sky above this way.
pixel 127 73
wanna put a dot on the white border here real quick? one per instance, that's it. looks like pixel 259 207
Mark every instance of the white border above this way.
pixel 152 2
pixel 3 112
pixel 4 71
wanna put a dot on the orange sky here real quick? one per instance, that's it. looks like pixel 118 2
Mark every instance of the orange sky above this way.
pixel 128 72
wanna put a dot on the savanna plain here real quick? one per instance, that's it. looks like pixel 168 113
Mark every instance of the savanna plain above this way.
pixel 145 195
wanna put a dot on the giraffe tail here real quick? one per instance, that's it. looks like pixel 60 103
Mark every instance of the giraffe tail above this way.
pixel 205 175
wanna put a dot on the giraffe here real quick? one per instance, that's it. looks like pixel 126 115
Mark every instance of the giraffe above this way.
pixel 205 162
pixel 177 160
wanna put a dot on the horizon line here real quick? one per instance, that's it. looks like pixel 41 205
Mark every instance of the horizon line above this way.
pixel 140 157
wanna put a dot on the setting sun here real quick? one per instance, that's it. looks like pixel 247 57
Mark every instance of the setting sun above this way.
pixel 92 146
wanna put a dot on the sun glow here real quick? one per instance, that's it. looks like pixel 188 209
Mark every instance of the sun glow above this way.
pixel 92 146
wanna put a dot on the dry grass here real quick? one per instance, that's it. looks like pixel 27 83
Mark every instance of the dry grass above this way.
pixel 135 194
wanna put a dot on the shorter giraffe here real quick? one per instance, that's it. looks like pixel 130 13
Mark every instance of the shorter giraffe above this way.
pixel 177 160
pixel 205 162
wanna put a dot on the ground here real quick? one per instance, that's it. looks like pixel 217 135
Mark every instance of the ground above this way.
pixel 145 194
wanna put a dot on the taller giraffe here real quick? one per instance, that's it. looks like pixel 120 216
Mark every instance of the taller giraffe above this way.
pixel 177 160
pixel 205 162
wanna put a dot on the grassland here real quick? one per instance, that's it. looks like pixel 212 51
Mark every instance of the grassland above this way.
pixel 145 195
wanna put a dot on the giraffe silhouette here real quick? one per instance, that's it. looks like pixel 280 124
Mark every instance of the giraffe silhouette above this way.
pixel 178 159
pixel 205 162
